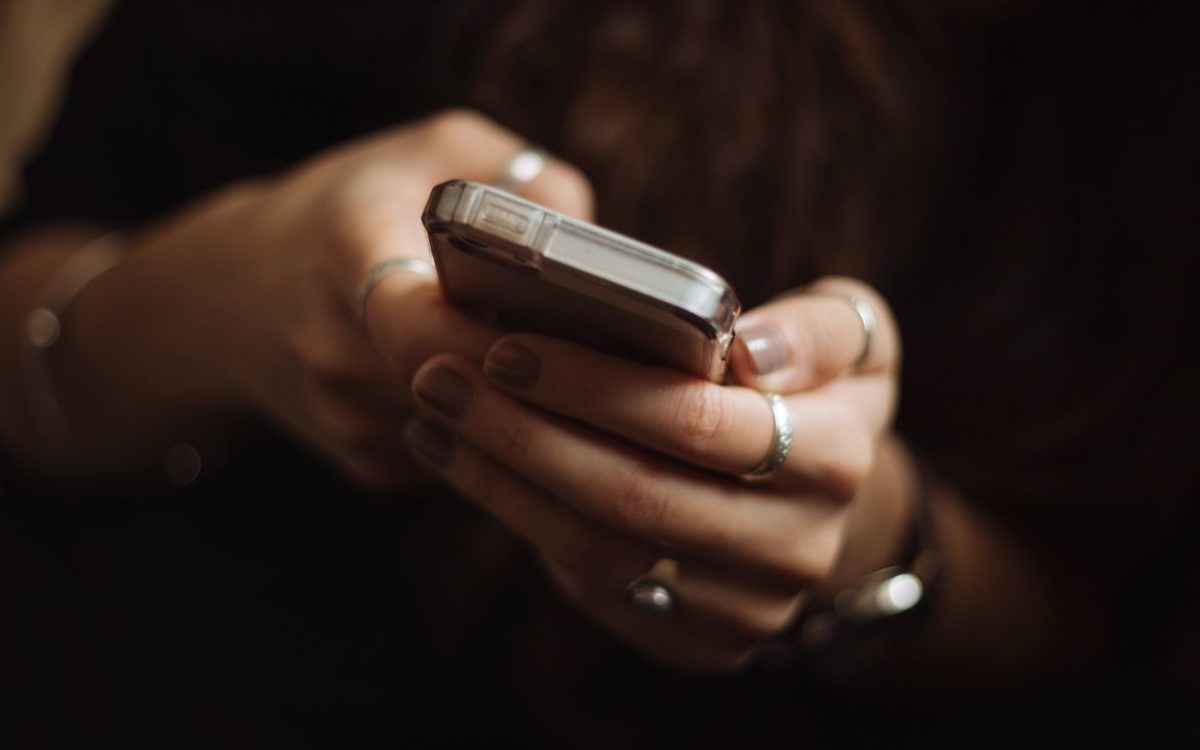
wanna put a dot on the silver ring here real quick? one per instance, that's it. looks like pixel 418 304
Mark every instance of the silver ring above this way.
pixel 524 167
pixel 654 591
pixel 866 315
pixel 381 271
pixel 781 440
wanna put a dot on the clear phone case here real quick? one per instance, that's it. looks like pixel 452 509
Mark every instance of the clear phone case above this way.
pixel 543 271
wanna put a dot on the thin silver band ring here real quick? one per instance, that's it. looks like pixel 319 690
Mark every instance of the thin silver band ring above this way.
pixel 866 315
pixel 524 167
pixel 381 271
pixel 781 440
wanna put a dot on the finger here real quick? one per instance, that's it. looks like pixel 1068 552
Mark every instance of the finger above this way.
pixel 806 339
pixel 681 639
pixel 381 184
pixel 457 144
pixel 626 487
pixel 743 606
pixel 749 602
pixel 462 144
pixel 728 429
pixel 410 321
pixel 362 441
pixel 554 528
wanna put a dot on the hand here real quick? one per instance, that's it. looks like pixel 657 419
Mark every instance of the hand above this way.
pixel 248 300
pixel 605 466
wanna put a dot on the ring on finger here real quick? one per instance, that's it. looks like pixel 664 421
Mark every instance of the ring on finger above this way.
pixel 781 439
pixel 381 271
pixel 522 168
pixel 866 316
pixel 654 590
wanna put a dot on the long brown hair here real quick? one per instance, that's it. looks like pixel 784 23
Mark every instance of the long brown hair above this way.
pixel 1023 189
pixel 773 140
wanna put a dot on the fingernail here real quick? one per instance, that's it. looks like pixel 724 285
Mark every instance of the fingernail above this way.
pixel 767 348
pixel 512 365
pixel 444 390
pixel 430 442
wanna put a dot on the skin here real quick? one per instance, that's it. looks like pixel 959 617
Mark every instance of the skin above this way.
pixel 242 308
pixel 605 465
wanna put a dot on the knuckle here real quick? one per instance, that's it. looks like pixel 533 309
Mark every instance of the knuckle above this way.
pixel 763 618
pixel 515 442
pixel 581 554
pixel 700 414
pixel 574 190
pixel 398 341
pixel 351 427
pixel 325 367
pixel 395 344
pixel 824 333
pixel 637 501
pixel 396 347
pixel 450 126
pixel 770 620
pixel 846 473
pixel 803 337
pixel 888 343
pixel 805 563
pixel 754 626
pixel 308 352
pixel 356 224
pixel 811 336
pixel 321 357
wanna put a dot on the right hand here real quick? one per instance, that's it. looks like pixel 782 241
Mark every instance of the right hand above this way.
pixel 247 301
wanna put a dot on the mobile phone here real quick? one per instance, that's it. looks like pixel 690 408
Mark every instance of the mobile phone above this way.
pixel 540 270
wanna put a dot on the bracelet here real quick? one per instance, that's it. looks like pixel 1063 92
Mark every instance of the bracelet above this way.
pixel 43 328
pixel 833 624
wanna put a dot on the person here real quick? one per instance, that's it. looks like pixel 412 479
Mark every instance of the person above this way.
pixel 963 238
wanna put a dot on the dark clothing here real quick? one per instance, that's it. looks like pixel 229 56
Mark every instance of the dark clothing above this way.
pixel 275 603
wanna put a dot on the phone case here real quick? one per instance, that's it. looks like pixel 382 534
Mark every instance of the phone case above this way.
pixel 542 271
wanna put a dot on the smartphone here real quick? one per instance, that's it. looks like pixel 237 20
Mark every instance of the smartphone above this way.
pixel 540 270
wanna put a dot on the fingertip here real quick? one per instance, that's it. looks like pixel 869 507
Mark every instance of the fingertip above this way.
pixel 511 364
pixel 435 371
pixel 430 443
pixel 759 351
pixel 741 365
pixel 564 188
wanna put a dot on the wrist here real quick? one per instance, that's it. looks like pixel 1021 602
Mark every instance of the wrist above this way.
pixel 131 360
pixel 99 390
pixel 886 580
pixel 40 332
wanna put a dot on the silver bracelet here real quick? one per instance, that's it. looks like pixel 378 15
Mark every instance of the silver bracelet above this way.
pixel 832 625
pixel 42 328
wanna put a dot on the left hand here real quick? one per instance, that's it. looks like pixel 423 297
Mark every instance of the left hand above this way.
pixel 606 465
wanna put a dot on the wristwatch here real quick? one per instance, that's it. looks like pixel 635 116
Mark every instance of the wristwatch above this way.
pixel 836 624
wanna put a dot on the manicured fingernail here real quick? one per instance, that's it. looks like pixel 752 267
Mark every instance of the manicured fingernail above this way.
pixel 430 442
pixel 512 365
pixel 444 390
pixel 767 348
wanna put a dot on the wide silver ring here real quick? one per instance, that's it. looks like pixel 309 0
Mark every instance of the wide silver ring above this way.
pixel 866 315
pixel 781 440
pixel 654 591
pixel 381 271
pixel 524 167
